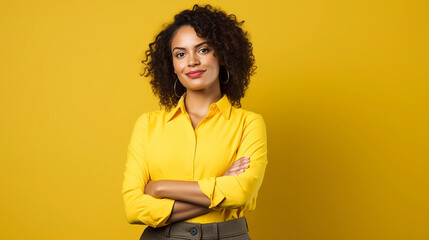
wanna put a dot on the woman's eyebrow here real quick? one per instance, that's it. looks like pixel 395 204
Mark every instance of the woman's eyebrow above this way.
pixel 196 46
pixel 199 44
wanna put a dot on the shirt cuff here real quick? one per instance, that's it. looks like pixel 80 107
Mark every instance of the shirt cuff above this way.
pixel 209 188
pixel 162 212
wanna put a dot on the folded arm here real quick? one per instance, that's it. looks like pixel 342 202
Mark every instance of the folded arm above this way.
pixel 186 192
pixel 189 191
pixel 230 190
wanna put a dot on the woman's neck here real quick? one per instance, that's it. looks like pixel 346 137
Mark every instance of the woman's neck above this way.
pixel 198 102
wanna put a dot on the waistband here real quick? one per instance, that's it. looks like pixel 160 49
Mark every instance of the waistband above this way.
pixel 216 230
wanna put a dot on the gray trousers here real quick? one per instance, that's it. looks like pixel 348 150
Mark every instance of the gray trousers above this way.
pixel 230 230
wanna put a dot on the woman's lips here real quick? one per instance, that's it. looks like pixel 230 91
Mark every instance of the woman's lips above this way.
pixel 194 74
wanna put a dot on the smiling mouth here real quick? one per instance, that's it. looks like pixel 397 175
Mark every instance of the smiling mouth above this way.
pixel 195 74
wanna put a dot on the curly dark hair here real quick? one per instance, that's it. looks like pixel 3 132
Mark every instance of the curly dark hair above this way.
pixel 223 32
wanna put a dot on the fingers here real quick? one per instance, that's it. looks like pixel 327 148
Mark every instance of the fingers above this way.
pixel 241 163
pixel 238 166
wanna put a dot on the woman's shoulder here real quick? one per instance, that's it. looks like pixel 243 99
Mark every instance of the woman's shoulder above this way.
pixel 245 115
pixel 249 120
pixel 245 112
pixel 151 117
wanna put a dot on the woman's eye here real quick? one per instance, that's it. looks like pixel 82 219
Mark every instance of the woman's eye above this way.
pixel 204 50
pixel 180 55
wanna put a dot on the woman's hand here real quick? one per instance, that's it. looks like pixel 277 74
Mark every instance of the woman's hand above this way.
pixel 238 167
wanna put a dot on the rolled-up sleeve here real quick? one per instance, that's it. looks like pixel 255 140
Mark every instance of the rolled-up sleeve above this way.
pixel 238 190
pixel 141 208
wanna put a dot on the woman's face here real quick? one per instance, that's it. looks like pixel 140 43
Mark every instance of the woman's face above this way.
pixel 194 61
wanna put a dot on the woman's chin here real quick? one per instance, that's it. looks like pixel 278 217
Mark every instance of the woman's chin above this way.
pixel 197 85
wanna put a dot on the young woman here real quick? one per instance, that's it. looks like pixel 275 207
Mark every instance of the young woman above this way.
pixel 194 168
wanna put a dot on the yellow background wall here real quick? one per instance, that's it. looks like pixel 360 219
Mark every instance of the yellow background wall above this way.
pixel 342 85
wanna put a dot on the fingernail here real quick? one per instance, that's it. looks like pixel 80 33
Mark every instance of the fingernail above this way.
pixel 246 165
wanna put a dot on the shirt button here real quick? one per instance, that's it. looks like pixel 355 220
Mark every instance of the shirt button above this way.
pixel 194 231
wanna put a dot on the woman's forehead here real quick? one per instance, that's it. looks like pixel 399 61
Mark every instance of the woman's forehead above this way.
pixel 186 37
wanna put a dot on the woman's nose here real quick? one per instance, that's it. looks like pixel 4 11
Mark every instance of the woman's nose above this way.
pixel 193 60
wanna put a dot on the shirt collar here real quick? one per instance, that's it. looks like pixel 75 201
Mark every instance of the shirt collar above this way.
pixel 223 105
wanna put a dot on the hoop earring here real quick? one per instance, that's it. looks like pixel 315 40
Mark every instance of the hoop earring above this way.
pixel 175 88
pixel 227 72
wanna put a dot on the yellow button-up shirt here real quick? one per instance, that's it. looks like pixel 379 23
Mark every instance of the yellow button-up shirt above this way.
pixel 165 146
